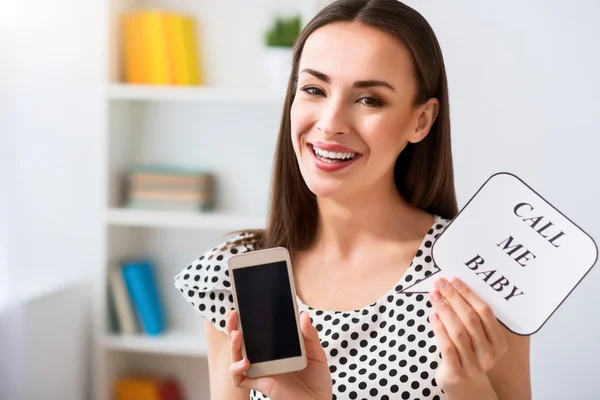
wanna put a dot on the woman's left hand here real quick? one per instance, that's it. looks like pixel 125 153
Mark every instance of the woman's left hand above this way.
pixel 470 338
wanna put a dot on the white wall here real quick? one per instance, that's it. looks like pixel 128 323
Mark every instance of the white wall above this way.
pixel 53 96
pixel 50 124
pixel 524 87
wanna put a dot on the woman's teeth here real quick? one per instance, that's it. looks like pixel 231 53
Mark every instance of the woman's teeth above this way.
pixel 330 156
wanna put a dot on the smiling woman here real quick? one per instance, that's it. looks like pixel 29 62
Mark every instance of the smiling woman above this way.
pixel 362 187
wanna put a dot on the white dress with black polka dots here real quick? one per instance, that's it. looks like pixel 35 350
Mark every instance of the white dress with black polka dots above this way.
pixel 386 350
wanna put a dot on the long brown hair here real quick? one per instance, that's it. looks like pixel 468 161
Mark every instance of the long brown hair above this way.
pixel 423 172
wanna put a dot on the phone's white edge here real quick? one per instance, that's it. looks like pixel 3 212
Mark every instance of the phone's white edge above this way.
pixel 277 367
pixel 258 257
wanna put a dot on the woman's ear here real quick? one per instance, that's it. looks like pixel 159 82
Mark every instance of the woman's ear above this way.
pixel 425 117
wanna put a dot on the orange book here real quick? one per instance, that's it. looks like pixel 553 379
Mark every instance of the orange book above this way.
pixel 176 51
pixel 158 61
pixel 132 50
pixel 147 388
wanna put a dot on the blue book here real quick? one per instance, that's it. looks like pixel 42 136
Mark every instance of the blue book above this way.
pixel 142 288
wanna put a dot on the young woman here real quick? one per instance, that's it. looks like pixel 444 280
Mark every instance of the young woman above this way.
pixel 362 186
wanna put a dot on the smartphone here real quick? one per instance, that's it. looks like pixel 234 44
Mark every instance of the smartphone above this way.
pixel 265 299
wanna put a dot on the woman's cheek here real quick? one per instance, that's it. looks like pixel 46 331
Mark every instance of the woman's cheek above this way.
pixel 302 119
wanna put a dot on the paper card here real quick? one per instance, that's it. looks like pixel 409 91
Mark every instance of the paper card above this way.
pixel 515 251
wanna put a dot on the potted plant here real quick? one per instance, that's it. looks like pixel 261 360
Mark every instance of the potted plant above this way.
pixel 279 39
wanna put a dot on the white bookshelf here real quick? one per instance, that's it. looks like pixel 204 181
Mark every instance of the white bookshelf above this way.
pixel 120 91
pixel 182 220
pixel 180 343
pixel 228 127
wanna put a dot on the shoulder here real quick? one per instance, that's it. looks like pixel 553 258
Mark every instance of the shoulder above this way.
pixel 204 283
pixel 440 223
pixel 210 269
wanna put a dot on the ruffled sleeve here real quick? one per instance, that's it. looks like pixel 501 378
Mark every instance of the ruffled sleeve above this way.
pixel 205 282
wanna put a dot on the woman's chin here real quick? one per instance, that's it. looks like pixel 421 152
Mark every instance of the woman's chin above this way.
pixel 325 189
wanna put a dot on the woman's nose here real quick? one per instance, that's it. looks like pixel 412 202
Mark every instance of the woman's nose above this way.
pixel 333 119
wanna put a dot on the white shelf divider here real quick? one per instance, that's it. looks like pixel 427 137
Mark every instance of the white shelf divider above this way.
pixel 124 91
pixel 181 343
pixel 182 219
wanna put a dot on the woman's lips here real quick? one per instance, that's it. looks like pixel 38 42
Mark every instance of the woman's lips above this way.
pixel 331 166
pixel 337 148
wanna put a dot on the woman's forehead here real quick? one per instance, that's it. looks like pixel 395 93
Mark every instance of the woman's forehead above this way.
pixel 357 52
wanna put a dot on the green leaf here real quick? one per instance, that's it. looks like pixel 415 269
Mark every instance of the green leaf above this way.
pixel 283 31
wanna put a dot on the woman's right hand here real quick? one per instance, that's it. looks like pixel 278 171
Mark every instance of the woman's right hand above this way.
pixel 313 382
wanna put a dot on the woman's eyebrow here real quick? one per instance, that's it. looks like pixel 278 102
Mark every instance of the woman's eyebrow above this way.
pixel 357 84
pixel 370 83
pixel 317 74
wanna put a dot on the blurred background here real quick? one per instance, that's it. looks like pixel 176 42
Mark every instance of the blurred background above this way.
pixel 134 134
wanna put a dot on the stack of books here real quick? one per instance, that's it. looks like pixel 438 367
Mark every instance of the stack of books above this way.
pixel 135 302
pixel 160 48
pixel 160 187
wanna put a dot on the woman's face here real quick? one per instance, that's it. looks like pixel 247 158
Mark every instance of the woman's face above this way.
pixel 354 111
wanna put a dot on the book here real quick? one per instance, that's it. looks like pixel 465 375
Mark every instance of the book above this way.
pixel 147 388
pixel 121 302
pixel 132 51
pixel 158 63
pixel 141 285
pixel 176 49
pixel 194 67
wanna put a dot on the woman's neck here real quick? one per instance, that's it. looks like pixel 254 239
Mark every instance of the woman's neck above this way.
pixel 376 215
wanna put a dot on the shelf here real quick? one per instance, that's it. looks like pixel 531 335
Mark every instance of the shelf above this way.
pixel 121 91
pixel 181 219
pixel 172 343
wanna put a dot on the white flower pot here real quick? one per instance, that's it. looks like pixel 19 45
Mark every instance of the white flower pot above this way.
pixel 277 68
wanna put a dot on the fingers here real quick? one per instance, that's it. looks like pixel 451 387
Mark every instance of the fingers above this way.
pixel 235 337
pixel 456 332
pixel 493 329
pixel 240 364
pixel 237 371
pixel 445 343
pixel 312 344
pixel 471 321
pixel 232 321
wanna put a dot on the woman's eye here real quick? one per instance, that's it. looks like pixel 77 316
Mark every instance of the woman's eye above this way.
pixel 371 101
pixel 313 91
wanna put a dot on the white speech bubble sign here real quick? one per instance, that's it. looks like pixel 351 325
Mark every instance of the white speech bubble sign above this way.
pixel 515 251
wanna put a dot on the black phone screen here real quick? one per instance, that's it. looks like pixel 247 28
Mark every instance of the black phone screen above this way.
pixel 266 312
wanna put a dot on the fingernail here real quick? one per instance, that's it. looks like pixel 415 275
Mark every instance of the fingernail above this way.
pixel 440 283
pixel 456 282
pixel 433 318
pixel 435 295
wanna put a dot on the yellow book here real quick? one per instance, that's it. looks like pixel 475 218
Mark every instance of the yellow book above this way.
pixel 192 52
pixel 158 61
pixel 176 49
pixel 132 50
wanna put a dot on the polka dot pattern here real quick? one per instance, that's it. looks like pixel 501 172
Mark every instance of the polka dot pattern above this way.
pixel 205 283
pixel 386 350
